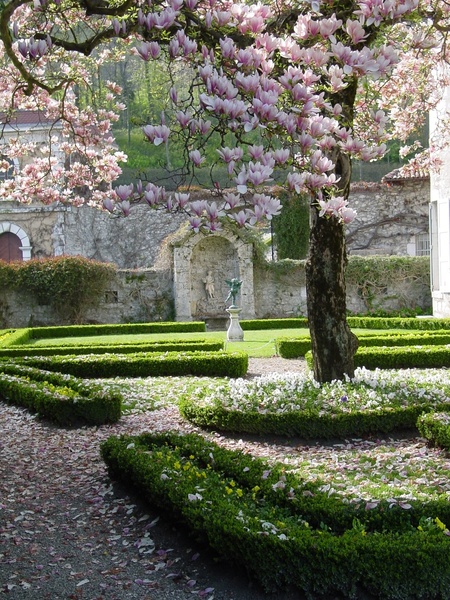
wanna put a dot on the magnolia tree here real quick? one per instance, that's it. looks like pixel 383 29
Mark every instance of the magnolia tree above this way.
pixel 289 92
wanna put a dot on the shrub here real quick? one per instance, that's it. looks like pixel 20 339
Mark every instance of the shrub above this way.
pixel 291 227
pixel 403 357
pixel 38 333
pixel 190 345
pixel 145 364
pixel 247 511
pixel 57 398
pixel 296 347
pixel 435 427
pixel 399 358
pixel 296 405
pixel 288 323
pixel 16 338
pixel 69 284
pixel 397 323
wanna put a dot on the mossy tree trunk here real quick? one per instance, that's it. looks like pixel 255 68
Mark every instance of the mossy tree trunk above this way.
pixel 333 344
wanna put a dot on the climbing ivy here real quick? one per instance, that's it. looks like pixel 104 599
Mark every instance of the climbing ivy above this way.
pixel 69 284
pixel 372 276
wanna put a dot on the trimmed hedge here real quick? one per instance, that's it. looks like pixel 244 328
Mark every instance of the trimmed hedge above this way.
pixel 397 323
pixel 61 399
pixel 38 333
pixel 416 357
pixel 403 357
pixel 354 323
pixel 293 347
pixel 142 364
pixel 288 323
pixel 191 345
pixel 307 424
pixel 247 511
pixel 297 347
pixel 16 338
pixel 435 427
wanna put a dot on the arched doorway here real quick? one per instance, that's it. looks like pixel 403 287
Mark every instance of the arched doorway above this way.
pixel 14 243
pixel 10 247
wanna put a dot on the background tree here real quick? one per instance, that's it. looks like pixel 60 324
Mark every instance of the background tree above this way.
pixel 291 227
pixel 320 82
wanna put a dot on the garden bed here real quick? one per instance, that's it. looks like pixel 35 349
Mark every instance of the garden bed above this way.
pixel 257 515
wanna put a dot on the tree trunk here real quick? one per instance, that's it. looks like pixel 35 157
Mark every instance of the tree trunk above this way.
pixel 333 344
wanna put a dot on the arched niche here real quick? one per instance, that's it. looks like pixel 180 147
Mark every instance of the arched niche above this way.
pixel 17 240
pixel 223 254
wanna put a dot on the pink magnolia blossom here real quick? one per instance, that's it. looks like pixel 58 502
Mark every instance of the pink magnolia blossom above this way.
pixel 196 158
pixel 157 134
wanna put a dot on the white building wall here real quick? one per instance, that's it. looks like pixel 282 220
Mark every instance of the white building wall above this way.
pixel 440 218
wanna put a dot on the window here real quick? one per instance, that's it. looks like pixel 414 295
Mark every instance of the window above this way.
pixel 423 244
pixel 7 173
pixel 111 297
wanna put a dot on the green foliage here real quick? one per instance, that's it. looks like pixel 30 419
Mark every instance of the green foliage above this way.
pixel 291 227
pixel 308 424
pixel 435 427
pixel 398 323
pixel 294 348
pixel 15 338
pixel 145 364
pixel 414 357
pixel 61 399
pixel 190 345
pixel 264 519
pixel 69 284
pixel 288 323
pixel 38 333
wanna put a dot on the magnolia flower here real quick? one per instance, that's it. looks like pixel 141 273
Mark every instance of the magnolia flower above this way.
pixel 181 199
pixel 148 50
pixel 232 200
pixel 230 154
pixel 157 134
pixel 195 223
pixel 123 192
pixel 196 157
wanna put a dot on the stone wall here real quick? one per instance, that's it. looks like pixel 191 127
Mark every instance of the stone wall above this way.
pixel 280 291
pixel 148 295
pixel 389 217
pixel 133 296
pixel 131 242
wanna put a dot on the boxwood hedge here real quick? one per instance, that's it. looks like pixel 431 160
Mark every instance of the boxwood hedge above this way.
pixel 247 510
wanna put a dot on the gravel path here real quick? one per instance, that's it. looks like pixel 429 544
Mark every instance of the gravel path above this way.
pixel 68 532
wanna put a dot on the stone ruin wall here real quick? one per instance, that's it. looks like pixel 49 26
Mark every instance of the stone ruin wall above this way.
pixel 148 295
pixel 389 216
pixel 160 285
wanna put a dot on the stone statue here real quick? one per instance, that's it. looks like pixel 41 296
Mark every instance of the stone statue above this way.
pixel 209 285
pixel 234 285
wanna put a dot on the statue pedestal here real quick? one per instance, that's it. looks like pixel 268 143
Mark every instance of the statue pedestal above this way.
pixel 234 332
